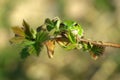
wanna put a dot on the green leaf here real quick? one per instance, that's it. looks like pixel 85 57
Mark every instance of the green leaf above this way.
pixel 79 29
pixel 71 46
pixel 26 28
pixel 49 27
pixel 62 27
pixel 41 28
pixel 69 24
pixel 56 23
pixel 42 36
pixel 49 24
pixel 48 21
pixel 98 50
pixel 24 53
pixel 72 38
pixel 86 46
pixel 27 42
pixel 33 49
pixel 38 48
pixel 53 24
pixel 33 32
pixel 30 33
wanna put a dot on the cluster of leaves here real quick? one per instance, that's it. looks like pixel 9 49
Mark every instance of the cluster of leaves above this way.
pixel 66 33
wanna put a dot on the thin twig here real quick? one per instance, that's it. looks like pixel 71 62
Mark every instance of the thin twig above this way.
pixel 100 43
pixel 106 44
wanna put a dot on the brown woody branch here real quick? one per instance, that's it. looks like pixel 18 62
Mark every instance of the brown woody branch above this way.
pixel 100 43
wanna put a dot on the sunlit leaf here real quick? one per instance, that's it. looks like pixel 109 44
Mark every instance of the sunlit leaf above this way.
pixel 33 32
pixel 18 31
pixel 70 46
pixel 17 40
pixel 62 41
pixel 50 45
pixel 66 44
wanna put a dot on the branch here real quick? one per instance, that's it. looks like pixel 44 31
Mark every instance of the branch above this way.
pixel 100 43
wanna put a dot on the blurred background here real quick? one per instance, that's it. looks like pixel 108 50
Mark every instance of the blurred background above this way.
pixel 100 20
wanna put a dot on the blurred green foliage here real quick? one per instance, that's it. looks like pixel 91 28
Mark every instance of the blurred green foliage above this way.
pixel 104 5
pixel 5 12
